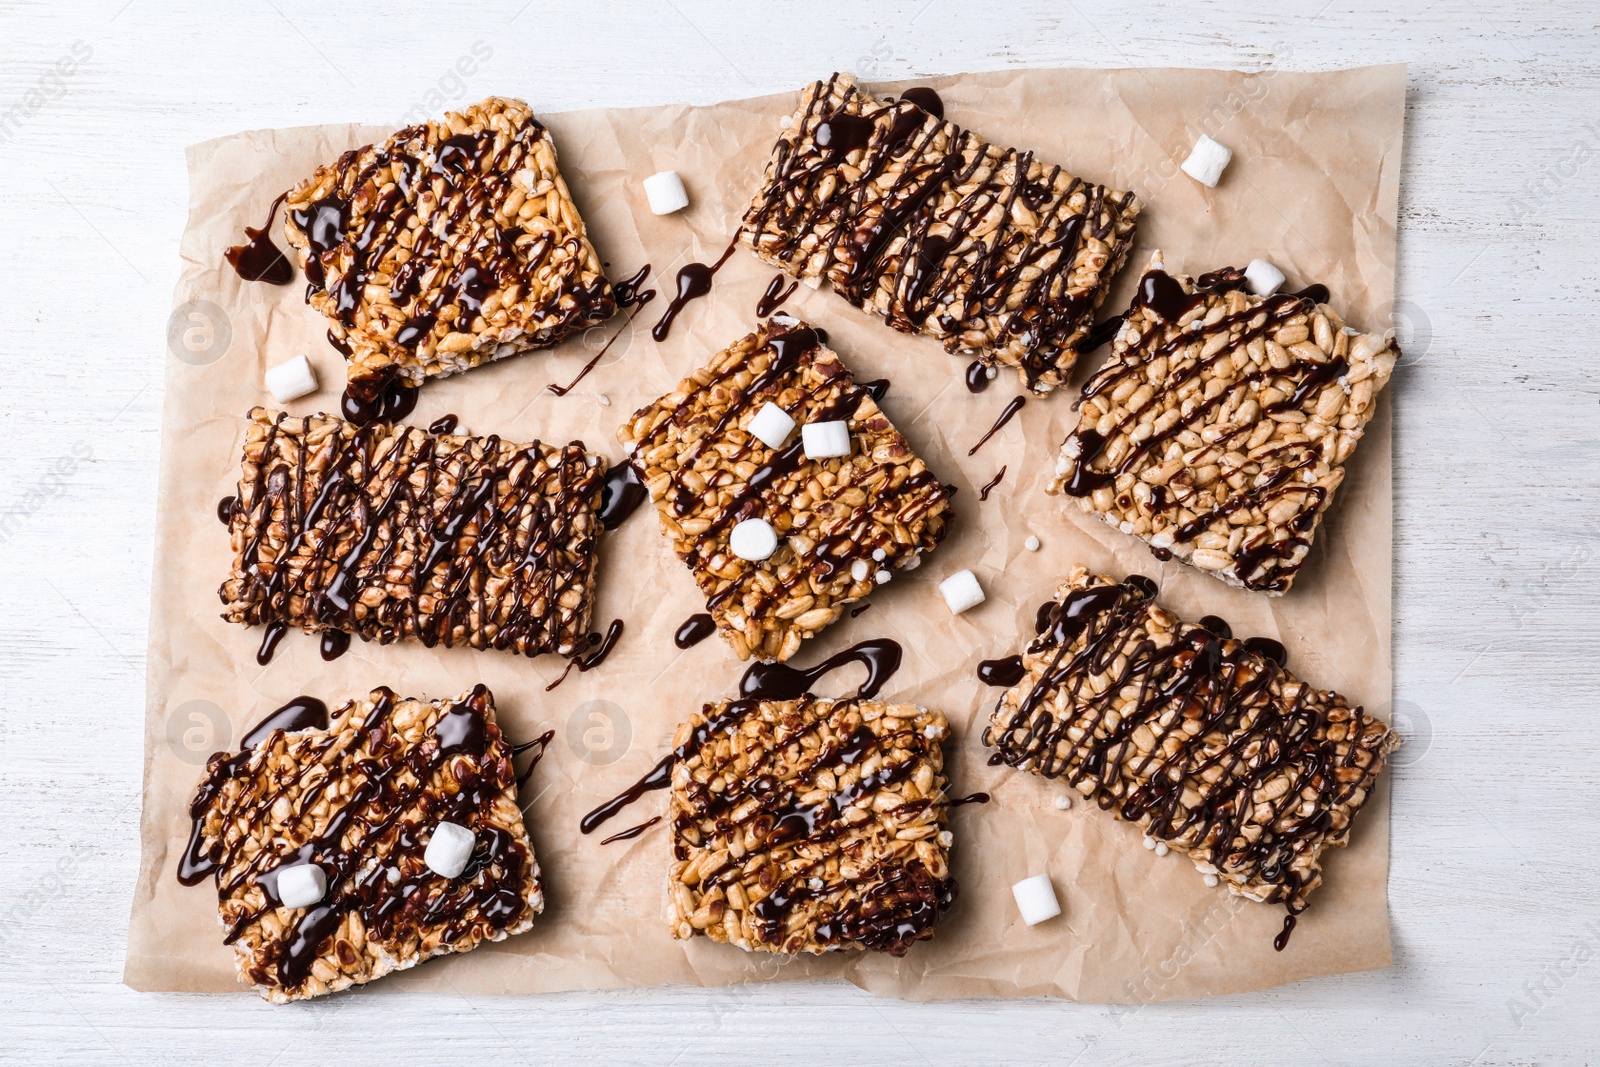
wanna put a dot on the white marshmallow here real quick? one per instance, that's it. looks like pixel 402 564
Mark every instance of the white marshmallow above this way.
pixel 1149 842
pixel 1063 802
pixel 1262 277
pixel 1206 161
pixel 302 885
pixel 882 577
pixel 1161 848
pixel 1032 543
pixel 1211 880
pixel 1036 899
pixel 772 425
pixel 291 380
pixel 753 539
pixel 880 554
pixel 961 591
pixel 824 440
pixel 666 193
pixel 859 570
pixel 449 849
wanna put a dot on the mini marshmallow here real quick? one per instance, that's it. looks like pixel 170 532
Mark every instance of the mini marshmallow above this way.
pixel 1211 880
pixel 879 554
pixel 825 440
pixel 859 570
pixel 1262 277
pixel 603 400
pixel 1036 899
pixel 291 380
pixel 753 539
pixel 1161 848
pixel 772 425
pixel 961 591
pixel 449 849
pixel 1149 842
pixel 1206 161
pixel 1063 802
pixel 302 885
pixel 1032 543
pixel 666 193
pixel 882 577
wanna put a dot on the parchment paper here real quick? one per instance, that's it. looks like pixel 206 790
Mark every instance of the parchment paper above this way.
pixel 1313 187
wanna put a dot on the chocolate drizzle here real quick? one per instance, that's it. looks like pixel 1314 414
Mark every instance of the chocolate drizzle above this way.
pixel 972 280
pixel 258 259
pixel 391 401
pixel 983 494
pixel 1006 414
pixel 779 681
pixel 374 815
pixel 586 662
pixel 631 832
pixel 1268 566
pixel 628 295
pixel 775 295
pixel 335 643
pixel 694 281
pixel 1093 632
pixel 269 641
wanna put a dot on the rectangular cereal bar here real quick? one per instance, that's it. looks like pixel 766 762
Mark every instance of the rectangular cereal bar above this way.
pixel 1219 428
pixel 452 244
pixel 914 219
pixel 835 526
pixel 1205 742
pixel 358 801
pixel 810 825
pixel 390 532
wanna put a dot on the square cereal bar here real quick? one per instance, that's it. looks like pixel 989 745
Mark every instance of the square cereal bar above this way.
pixel 993 252
pixel 454 243
pixel 841 523
pixel 810 825
pixel 1219 428
pixel 1205 742
pixel 392 532
pixel 361 798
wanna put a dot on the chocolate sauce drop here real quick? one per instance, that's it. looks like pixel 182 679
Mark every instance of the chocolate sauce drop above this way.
pixel 1216 625
pixel 1101 333
pixel 859 608
pixel 393 402
pixel 775 295
pixel 694 281
pixel 925 98
pixel 1266 648
pixel 621 493
pixel 877 388
pixel 335 643
pixel 1005 416
pixel 1161 293
pixel 1001 673
pixel 1317 293
pixel 977 376
pixel 225 509
pixel 445 424
pixel 696 628
pixel 258 259
pixel 973 798
pixel 779 681
pixel 269 641
pixel 628 292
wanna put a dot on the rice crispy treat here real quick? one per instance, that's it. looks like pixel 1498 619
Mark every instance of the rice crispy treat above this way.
pixel 392 532
pixel 843 524
pixel 1205 742
pixel 454 243
pixel 361 797
pixel 810 825
pixel 1219 428
pixel 999 256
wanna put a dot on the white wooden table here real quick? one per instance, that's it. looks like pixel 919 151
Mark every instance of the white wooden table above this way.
pixel 1496 918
